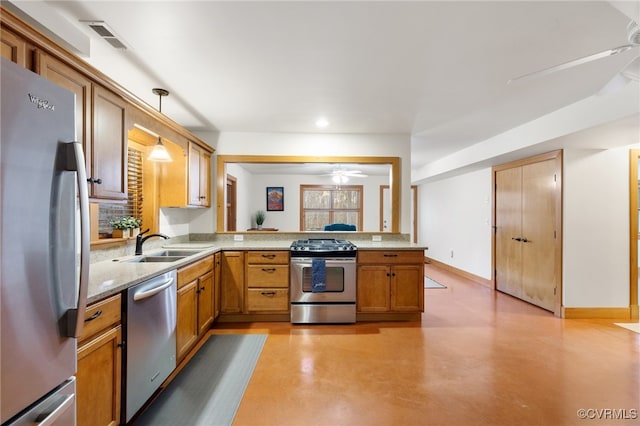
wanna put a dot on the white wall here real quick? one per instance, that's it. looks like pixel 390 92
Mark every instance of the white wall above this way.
pixel 455 215
pixel 595 225
pixel 596 228
pixel 239 143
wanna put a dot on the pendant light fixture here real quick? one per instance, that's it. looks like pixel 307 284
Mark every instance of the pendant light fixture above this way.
pixel 159 152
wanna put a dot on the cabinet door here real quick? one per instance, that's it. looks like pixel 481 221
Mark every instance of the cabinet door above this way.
pixel 99 380
pixel 13 48
pixel 205 179
pixel 216 285
pixel 67 77
pixel 407 288
pixel 205 303
pixel 232 282
pixel 199 176
pixel 373 292
pixel 186 327
pixel 109 138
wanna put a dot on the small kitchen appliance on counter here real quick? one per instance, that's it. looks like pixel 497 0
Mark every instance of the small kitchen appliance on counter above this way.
pixel 323 281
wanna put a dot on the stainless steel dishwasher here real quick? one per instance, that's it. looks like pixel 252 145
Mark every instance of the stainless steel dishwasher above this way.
pixel 151 338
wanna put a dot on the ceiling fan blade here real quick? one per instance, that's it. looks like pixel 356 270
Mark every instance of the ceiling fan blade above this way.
pixel 631 72
pixel 575 62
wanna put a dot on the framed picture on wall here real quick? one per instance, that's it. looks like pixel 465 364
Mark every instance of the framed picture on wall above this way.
pixel 275 198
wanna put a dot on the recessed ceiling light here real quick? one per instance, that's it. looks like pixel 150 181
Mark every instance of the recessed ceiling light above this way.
pixel 322 122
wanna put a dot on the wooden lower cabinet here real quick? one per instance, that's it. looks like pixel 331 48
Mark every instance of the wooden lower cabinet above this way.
pixel 390 281
pixel 267 281
pixel 99 371
pixel 232 283
pixel 195 304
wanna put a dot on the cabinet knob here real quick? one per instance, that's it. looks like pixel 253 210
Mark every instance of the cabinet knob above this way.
pixel 97 181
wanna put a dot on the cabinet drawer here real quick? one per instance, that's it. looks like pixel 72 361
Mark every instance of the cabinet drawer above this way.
pixel 390 256
pixel 100 316
pixel 193 271
pixel 268 276
pixel 268 299
pixel 279 257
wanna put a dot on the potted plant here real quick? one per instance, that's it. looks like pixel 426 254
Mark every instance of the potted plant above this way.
pixel 260 216
pixel 123 226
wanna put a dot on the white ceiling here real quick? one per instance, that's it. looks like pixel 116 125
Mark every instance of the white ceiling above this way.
pixel 434 70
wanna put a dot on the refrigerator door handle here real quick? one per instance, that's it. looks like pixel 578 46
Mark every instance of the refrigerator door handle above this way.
pixel 49 418
pixel 75 162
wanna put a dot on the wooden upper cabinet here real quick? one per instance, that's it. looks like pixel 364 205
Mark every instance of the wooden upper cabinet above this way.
pixel 184 181
pixel 108 172
pixel 199 176
pixel 100 126
pixel 13 48
pixel 72 80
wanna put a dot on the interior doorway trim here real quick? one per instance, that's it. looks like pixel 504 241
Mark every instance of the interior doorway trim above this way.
pixel 634 157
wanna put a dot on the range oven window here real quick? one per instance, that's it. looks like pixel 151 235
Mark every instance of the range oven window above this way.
pixel 334 276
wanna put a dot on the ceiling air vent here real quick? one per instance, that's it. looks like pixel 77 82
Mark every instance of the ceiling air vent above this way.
pixel 106 33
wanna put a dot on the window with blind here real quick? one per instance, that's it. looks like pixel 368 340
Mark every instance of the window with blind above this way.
pixel 133 207
pixel 322 205
pixel 134 183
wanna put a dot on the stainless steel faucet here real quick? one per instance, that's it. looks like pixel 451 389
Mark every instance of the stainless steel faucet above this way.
pixel 140 240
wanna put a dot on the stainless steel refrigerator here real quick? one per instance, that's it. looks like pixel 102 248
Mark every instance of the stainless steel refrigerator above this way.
pixel 44 252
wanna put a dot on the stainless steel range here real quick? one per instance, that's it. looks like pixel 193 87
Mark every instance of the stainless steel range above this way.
pixel 323 281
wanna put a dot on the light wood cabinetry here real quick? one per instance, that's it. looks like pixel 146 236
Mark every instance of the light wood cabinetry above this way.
pixel 186 180
pixel 77 83
pixel 108 172
pixel 199 176
pixel 13 48
pixel 390 281
pixel 100 365
pixel 232 282
pixel 267 281
pixel 195 301
pixel 100 126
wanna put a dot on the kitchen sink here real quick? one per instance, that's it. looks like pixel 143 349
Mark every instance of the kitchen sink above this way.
pixel 174 253
pixel 155 258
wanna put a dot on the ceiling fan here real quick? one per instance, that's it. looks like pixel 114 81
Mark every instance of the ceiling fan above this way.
pixel 342 176
pixel 630 72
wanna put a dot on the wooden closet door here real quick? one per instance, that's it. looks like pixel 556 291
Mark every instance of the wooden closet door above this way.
pixel 508 251
pixel 528 234
pixel 539 188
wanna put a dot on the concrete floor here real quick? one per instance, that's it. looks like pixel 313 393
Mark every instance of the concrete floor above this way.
pixel 478 357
